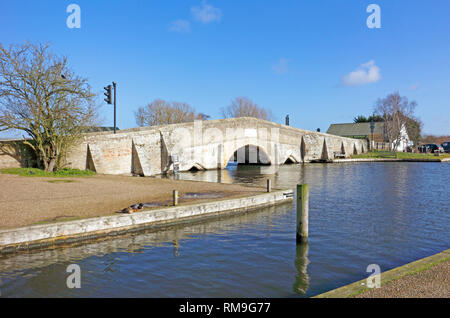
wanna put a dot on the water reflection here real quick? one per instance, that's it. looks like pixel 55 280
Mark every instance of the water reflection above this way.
pixel 301 284
pixel 360 214
pixel 176 245
pixel 137 243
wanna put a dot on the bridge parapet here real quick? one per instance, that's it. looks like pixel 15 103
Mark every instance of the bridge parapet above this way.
pixel 205 145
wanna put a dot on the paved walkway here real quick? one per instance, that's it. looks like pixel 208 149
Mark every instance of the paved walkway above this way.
pixel 427 277
pixel 433 282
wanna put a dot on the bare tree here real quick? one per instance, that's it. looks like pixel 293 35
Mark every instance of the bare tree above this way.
pixel 432 139
pixel 244 107
pixel 160 112
pixel 396 111
pixel 42 97
pixel 414 129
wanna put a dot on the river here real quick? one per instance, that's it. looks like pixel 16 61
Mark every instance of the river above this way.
pixel 360 213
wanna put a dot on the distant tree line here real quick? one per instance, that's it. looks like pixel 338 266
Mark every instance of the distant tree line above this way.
pixel 432 139
pixel 245 107
pixel 161 112
pixel 364 119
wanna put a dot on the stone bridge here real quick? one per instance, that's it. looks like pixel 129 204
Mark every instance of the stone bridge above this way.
pixel 203 145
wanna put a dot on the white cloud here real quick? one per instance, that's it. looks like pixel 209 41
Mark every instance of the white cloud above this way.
pixel 281 67
pixel 182 26
pixel 365 74
pixel 206 13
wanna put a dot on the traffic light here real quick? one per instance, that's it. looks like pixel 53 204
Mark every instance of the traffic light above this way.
pixel 108 94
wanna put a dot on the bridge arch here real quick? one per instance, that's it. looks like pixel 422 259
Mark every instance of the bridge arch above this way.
pixel 249 154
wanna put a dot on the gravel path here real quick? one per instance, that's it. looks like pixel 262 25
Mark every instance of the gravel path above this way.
pixel 430 283
pixel 29 200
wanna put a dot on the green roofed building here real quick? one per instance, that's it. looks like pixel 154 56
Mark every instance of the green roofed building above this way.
pixel 378 139
pixel 359 131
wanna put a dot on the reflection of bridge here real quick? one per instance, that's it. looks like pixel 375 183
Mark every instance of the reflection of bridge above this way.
pixel 142 242
pixel 138 242
pixel 205 145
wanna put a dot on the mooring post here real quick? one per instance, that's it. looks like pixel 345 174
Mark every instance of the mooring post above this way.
pixel 302 212
pixel 269 185
pixel 175 197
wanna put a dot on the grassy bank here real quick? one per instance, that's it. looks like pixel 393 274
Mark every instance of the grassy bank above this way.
pixel 398 155
pixel 34 172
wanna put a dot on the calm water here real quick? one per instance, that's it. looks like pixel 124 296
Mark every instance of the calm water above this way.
pixel 383 213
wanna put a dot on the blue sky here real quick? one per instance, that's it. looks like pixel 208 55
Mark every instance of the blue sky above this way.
pixel 314 60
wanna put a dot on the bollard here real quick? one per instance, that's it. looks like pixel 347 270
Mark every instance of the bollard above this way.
pixel 302 212
pixel 175 197
pixel 269 185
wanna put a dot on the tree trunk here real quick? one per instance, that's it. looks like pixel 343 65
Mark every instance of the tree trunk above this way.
pixel 51 165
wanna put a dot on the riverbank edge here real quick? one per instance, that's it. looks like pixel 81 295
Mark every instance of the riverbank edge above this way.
pixel 50 235
pixel 360 287
pixel 380 160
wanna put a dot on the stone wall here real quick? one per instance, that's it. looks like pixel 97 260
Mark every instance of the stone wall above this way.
pixel 47 235
pixel 204 145
pixel 200 145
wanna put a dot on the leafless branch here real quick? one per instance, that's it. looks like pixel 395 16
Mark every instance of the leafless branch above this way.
pixel 41 96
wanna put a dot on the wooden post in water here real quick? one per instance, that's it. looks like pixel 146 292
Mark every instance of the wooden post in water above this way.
pixel 269 185
pixel 302 212
pixel 175 197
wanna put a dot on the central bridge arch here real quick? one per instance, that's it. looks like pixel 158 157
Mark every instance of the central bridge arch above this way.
pixel 249 155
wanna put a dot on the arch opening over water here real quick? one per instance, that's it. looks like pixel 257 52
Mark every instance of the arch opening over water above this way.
pixel 249 155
